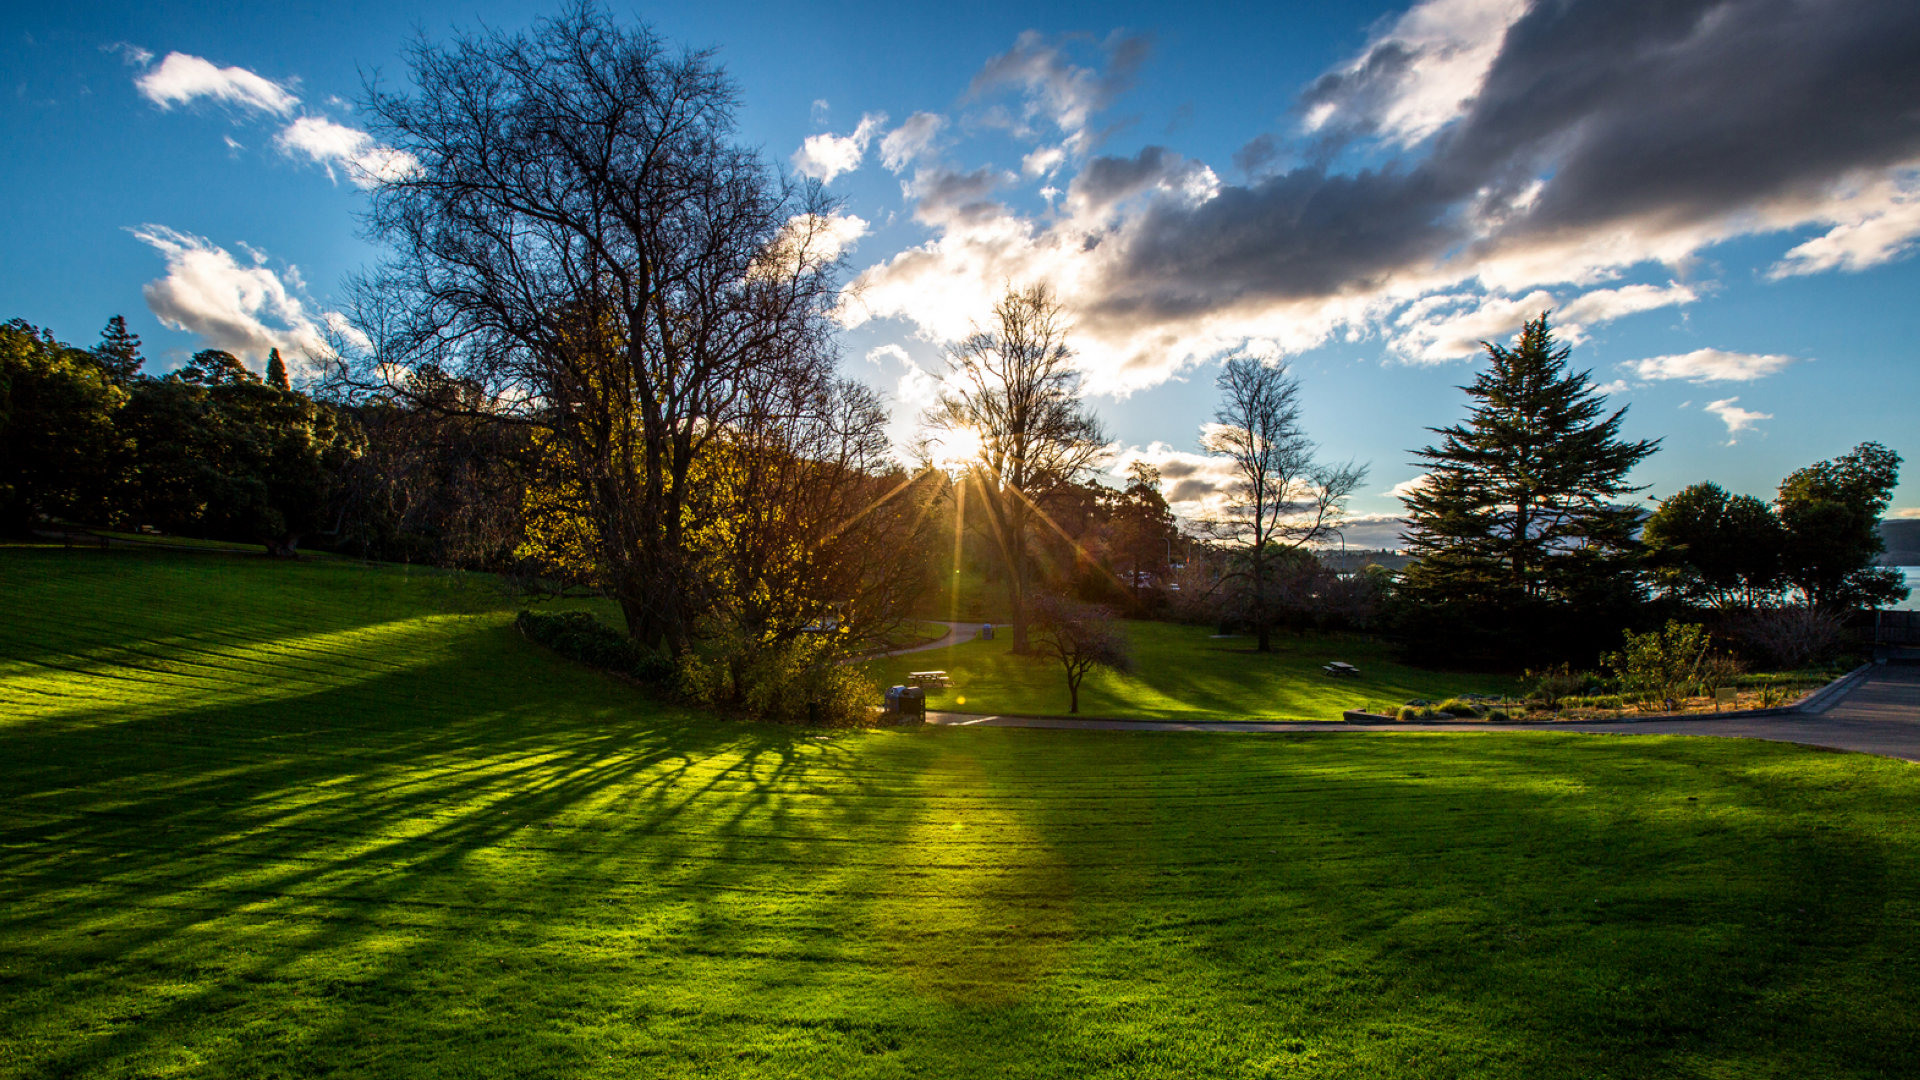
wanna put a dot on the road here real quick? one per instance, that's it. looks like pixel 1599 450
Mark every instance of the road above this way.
pixel 1879 715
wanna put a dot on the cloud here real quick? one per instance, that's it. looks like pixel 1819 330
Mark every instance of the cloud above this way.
pixel 1605 305
pixel 181 79
pixel 1503 157
pixel 1905 513
pixel 908 142
pixel 1736 418
pixel 1374 531
pixel 1057 92
pixel 1407 487
pixel 1044 161
pixel 826 156
pixel 1710 365
pixel 1417 76
pixel 367 163
pixel 1196 485
pixel 245 310
pixel 131 53
pixel 1873 226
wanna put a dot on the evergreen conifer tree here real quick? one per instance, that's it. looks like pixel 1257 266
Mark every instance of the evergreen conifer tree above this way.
pixel 1519 525
pixel 277 371
pixel 119 351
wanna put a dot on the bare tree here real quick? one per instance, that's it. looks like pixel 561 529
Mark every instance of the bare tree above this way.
pixel 1082 637
pixel 576 232
pixel 1281 499
pixel 1017 396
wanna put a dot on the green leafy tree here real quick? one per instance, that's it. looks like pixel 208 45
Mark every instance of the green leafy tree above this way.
pixel 57 437
pixel 234 459
pixel 215 367
pixel 1141 528
pixel 1830 511
pixel 277 371
pixel 1708 547
pixel 1520 522
pixel 119 352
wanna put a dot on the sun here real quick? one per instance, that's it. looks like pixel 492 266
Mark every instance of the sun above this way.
pixel 954 450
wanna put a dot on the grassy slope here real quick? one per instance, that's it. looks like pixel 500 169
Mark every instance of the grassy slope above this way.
pixel 1184 673
pixel 266 820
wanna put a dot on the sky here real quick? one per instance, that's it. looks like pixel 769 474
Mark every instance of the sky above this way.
pixel 1720 201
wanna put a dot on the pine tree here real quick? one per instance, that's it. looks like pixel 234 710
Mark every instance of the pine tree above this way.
pixel 119 351
pixel 1519 524
pixel 277 371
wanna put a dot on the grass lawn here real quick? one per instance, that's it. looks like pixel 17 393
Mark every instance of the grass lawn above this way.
pixel 263 820
pixel 1185 673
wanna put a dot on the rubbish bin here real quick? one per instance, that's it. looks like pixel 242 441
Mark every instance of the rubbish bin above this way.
pixel 913 703
pixel 895 694
pixel 986 631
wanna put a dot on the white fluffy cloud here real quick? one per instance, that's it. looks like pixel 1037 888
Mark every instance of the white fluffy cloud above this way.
pixel 827 155
pixel 367 163
pixel 1407 487
pixel 180 79
pixel 1736 418
pixel 1710 365
pixel 1874 224
pixel 1418 75
pixel 243 309
pixel 910 141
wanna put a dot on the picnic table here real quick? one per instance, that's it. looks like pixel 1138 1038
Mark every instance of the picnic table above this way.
pixel 928 678
pixel 1339 668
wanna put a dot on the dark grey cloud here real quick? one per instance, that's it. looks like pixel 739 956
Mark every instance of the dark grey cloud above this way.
pixel 1636 116
pixel 946 195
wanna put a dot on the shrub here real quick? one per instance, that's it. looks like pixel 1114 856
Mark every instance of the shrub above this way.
pixel 798 681
pixel 1661 665
pixel 1789 637
pixel 1413 714
pixel 1457 707
pixel 577 635
pixel 1553 684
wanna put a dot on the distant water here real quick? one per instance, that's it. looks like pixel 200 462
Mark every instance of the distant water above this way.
pixel 1912 602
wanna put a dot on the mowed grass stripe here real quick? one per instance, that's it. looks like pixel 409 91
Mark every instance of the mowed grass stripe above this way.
pixel 432 848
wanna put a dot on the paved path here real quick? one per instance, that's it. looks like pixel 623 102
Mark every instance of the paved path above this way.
pixel 957 632
pixel 1880 715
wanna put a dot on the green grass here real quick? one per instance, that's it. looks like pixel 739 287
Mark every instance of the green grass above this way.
pixel 1186 673
pixel 262 820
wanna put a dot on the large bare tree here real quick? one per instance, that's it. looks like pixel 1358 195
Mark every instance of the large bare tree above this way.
pixel 1281 500
pixel 577 232
pixel 1014 394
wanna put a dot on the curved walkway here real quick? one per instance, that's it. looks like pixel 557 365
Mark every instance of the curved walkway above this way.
pixel 957 632
pixel 1880 715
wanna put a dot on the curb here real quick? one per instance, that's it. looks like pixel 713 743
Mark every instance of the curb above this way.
pixel 1813 704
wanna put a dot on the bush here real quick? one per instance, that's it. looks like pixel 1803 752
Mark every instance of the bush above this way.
pixel 1661 666
pixel 1458 708
pixel 577 635
pixel 799 681
pixel 1789 637
pixel 1553 684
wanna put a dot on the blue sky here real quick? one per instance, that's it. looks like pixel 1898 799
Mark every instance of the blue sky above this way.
pixel 1719 199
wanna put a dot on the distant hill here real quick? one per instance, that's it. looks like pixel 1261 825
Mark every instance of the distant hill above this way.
pixel 1902 536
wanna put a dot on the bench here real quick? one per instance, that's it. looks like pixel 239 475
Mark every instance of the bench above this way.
pixel 1339 668
pixel 928 678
